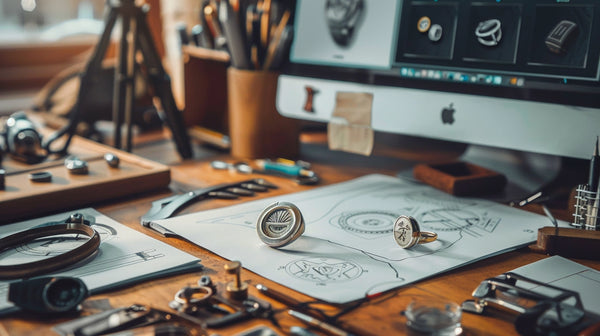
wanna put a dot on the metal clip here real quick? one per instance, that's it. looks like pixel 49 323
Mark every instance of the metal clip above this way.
pixel 166 207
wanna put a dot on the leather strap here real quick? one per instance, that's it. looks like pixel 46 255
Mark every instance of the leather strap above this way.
pixel 47 265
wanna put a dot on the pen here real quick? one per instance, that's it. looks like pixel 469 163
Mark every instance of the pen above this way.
pixel 210 137
pixel 593 203
pixel 319 324
pixel 265 23
pixel 594 168
pixel 281 297
pixel 275 42
pixel 292 170
pixel 210 14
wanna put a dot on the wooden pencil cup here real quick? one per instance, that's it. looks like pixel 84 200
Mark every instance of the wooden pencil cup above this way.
pixel 256 129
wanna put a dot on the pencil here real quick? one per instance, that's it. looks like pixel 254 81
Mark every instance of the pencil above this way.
pixel 319 324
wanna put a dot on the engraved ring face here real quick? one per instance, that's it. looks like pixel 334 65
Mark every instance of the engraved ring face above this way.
pixel 280 224
pixel 407 233
pixel 423 24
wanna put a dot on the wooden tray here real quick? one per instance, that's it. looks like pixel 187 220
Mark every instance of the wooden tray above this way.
pixel 22 198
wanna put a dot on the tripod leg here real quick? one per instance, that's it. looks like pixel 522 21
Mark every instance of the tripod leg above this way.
pixel 124 95
pixel 162 86
pixel 91 69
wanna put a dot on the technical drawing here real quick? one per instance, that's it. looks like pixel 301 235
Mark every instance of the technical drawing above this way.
pixel 324 270
pixel 348 247
pixel 365 223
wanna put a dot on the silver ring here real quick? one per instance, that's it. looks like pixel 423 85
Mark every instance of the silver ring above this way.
pixel 280 224
pixel 489 32
pixel 408 234
pixel 435 32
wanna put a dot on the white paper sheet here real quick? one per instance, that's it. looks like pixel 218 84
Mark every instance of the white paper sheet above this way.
pixel 125 255
pixel 348 250
pixel 564 273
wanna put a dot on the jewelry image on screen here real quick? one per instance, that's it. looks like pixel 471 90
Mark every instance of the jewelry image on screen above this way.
pixel 342 18
pixel 489 32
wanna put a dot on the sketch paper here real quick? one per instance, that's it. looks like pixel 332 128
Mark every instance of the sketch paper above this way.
pixel 348 249
pixel 564 273
pixel 125 255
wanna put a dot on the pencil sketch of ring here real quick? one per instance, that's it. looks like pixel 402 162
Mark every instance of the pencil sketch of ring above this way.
pixel 280 224
pixel 408 234
pixel 489 32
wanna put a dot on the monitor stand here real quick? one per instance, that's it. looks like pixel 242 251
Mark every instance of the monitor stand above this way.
pixel 531 177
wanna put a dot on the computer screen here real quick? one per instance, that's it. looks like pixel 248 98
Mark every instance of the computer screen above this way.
pixel 516 74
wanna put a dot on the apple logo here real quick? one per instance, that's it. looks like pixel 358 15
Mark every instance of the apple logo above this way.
pixel 448 114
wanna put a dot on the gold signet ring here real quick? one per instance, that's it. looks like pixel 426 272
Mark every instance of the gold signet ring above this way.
pixel 408 234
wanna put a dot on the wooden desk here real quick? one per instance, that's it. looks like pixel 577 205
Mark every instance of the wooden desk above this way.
pixel 381 316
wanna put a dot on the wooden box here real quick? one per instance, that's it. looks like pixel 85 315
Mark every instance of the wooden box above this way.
pixel 460 178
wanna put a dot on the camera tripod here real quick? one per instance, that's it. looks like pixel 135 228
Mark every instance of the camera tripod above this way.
pixel 135 36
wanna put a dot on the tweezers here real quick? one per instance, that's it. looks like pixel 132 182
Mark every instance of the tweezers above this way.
pixel 166 207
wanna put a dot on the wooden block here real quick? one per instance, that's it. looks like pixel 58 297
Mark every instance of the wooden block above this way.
pixel 460 178
pixel 205 88
pixel 568 242
pixel 23 199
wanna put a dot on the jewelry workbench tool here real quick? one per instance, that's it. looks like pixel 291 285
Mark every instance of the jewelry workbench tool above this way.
pixel 203 305
pixel 166 207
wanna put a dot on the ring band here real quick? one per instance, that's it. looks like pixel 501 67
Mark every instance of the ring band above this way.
pixel 427 237
pixel 489 33
pixel 408 234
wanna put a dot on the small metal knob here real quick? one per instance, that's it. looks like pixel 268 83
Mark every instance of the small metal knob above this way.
pixel 237 290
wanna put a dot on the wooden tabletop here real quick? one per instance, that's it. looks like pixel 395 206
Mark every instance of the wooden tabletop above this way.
pixel 379 316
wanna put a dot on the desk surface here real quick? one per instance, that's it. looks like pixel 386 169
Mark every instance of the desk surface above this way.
pixel 381 316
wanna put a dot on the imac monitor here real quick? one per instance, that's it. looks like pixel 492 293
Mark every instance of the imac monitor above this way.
pixel 514 74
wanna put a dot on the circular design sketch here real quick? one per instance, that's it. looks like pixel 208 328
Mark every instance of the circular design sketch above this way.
pixel 369 222
pixel 324 270
pixel 448 219
pixel 51 246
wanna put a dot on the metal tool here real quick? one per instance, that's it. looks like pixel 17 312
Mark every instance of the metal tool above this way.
pixel 21 139
pixel 299 174
pixel 195 303
pixel 134 316
pixel 76 166
pixel 547 310
pixel 251 308
pixel 166 207
pixel 237 289
pixel 112 160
